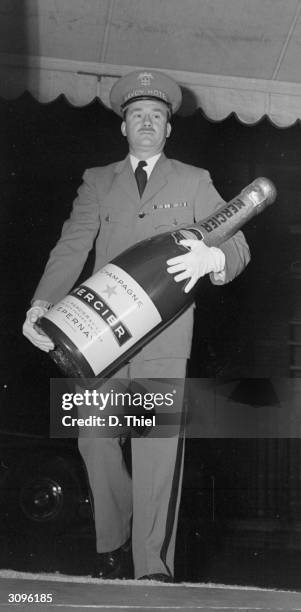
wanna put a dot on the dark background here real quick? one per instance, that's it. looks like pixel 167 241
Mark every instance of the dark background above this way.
pixel 242 331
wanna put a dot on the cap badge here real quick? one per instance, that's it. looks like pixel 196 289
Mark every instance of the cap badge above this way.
pixel 145 78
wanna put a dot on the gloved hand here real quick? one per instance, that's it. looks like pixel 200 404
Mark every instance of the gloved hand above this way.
pixel 39 339
pixel 200 260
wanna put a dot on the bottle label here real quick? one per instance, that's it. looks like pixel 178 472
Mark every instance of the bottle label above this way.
pixel 105 316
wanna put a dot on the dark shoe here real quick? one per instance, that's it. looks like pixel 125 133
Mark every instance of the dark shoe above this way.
pixel 157 577
pixel 115 564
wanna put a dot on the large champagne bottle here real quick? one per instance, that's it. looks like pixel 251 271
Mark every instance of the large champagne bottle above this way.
pixel 103 322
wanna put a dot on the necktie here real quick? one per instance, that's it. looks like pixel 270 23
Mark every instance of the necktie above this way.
pixel 141 177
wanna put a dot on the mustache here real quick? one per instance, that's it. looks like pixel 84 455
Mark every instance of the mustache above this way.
pixel 146 130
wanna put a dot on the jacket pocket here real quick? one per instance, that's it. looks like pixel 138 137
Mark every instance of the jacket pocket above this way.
pixel 165 219
pixel 115 231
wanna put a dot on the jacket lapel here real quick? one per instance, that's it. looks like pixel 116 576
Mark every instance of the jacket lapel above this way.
pixel 126 179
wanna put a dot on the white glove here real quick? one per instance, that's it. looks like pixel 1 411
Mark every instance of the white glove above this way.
pixel 39 339
pixel 199 261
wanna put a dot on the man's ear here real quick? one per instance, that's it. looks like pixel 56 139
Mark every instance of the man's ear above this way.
pixel 168 129
pixel 123 128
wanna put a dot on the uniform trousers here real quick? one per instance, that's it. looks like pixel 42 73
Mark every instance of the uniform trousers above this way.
pixel 146 503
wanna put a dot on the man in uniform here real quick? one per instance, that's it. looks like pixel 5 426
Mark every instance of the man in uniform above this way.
pixel 117 206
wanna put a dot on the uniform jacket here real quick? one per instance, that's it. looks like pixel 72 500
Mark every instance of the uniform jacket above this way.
pixel 109 211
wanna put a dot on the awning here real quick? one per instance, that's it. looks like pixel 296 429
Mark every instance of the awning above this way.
pixel 218 96
pixel 229 55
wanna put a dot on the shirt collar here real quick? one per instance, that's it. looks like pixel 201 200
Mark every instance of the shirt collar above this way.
pixel 151 161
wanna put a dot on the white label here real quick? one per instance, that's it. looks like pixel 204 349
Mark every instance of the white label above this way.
pixel 105 316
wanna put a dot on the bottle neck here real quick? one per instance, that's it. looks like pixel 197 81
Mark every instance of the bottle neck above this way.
pixel 230 217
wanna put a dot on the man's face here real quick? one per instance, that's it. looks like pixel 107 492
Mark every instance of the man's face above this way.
pixel 146 127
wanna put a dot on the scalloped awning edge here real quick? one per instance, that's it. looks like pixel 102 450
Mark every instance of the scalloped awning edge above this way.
pixel 218 96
